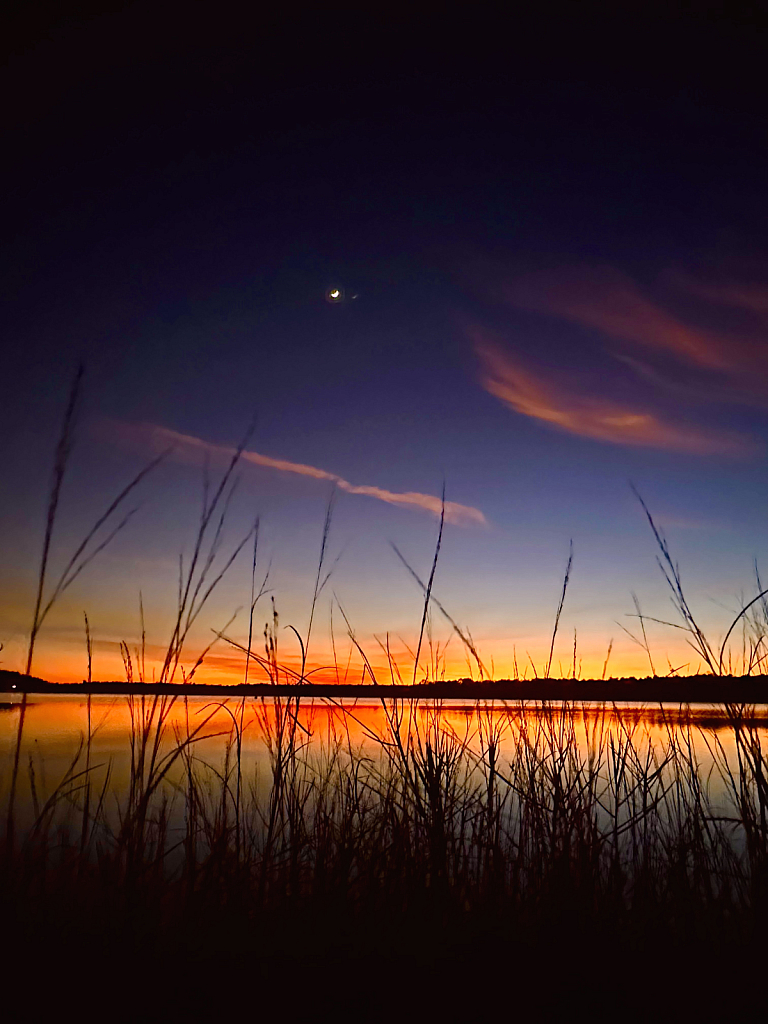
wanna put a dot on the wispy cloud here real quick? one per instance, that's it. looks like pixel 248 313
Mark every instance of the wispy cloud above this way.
pixel 615 305
pixel 529 393
pixel 461 515
pixel 752 298
pixel 688 344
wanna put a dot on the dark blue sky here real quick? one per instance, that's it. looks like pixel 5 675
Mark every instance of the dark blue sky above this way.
pixel 582 195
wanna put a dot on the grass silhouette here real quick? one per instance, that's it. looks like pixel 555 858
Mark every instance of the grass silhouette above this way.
pixel 537 833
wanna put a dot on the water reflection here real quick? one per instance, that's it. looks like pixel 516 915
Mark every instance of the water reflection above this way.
pixel 56 728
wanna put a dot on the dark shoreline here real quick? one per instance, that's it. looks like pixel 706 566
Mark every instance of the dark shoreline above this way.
pixel 677 690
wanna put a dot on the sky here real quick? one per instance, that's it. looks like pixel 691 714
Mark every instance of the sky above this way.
pixel 549 239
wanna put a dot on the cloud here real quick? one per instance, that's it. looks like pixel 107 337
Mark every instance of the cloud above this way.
pixel 612 303
pixel 751 298
pixel 601 419
pixel 158 437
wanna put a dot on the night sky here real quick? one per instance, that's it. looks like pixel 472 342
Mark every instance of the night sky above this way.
pixel 550 234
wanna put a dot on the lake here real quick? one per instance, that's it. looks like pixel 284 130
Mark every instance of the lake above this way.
pixel 363 731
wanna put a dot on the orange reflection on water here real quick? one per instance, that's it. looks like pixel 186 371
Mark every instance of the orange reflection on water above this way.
pixel 56 726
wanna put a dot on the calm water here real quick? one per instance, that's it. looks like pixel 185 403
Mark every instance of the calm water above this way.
pixel 56 728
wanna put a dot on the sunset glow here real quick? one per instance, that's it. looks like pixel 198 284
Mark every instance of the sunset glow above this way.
pixel 383 503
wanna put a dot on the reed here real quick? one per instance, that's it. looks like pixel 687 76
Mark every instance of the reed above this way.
pixel 524 829
pixel 525 804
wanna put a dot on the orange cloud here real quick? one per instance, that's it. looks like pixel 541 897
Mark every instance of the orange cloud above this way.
pixel 587 416
pixel 613 304
pixel 460 515
pixel 749 297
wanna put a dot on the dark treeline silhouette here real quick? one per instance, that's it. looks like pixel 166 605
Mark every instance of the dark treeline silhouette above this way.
pixel 696 689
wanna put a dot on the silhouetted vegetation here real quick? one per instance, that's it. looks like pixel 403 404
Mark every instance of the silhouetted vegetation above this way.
pixel 548 837
pixel 478 845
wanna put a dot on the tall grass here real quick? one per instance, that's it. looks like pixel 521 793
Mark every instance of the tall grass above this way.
pixel 426 838
pixel 523 814
pixel 103 531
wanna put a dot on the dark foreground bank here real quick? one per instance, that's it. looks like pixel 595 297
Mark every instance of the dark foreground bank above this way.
pixel 450 877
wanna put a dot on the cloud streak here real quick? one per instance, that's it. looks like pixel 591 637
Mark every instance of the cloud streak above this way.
pixel 750 298
pixel 601 419
pixel 613 304
pixel 460 515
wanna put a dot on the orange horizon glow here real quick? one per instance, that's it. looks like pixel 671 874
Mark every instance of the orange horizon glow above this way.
pixel 65 664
